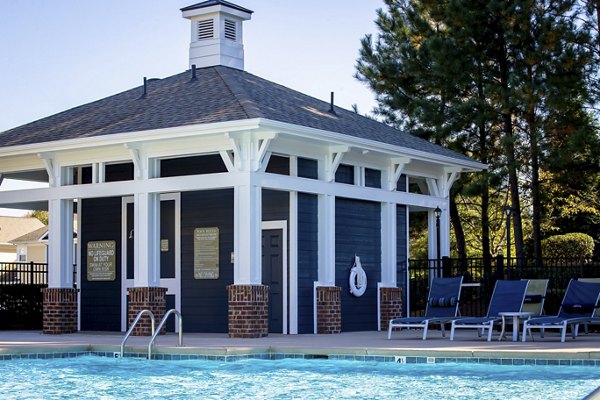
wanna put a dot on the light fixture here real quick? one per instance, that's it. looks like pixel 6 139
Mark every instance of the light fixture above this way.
pixel 437 212
pixel 507 210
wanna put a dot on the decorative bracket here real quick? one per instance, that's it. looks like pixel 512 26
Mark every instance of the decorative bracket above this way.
pixel 333 160
pixel 250 151
pixel 395 171
pixel 48 160
pixel 441 187
pixel 227 156
pixel 134 152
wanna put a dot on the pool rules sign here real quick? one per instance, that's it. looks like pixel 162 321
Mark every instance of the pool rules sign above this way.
pixel 206 253
pixel 101 260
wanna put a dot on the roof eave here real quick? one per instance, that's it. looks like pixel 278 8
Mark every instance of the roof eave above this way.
pixel 367 144
pixel 128 137
pixel 238 125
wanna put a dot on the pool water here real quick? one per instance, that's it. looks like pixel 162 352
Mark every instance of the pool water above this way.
pixel 92 377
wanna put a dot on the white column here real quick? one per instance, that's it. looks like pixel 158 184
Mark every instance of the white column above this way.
pixel 60 239
pixel 388 244
pixel 431 235
pixel 146 239
pixel 445 230
pixel 326 233
pixel 293 252
pixel 247 244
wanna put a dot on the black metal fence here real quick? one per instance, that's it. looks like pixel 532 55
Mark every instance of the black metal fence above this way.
pixel 21 295
pixel 23 273
pixel 480 275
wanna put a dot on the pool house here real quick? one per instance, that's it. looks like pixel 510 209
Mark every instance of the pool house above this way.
pixel 249 207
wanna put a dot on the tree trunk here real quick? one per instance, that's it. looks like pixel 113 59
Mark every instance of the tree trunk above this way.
pixel 485 187
pixel 509 145
pixel 461 243
pixel 535 177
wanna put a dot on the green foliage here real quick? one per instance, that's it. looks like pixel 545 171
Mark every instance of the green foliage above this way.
pixel 569 245
pixel 512 84
pixel 39 214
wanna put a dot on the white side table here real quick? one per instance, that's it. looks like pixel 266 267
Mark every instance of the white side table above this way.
pixel 516 320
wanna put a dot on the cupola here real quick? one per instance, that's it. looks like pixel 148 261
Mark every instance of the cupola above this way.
pixel 216 37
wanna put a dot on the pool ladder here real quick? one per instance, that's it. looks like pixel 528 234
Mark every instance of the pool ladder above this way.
pixel 156 331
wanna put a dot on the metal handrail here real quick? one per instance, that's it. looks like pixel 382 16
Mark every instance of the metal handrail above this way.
pixel 135 321
pixel 162 322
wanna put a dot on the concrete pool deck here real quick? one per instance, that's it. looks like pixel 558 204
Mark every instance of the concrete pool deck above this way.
pixel 466 345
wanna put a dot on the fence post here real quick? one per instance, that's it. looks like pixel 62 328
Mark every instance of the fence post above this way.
pixel 31 272
pixel 446 266
pixel 500 273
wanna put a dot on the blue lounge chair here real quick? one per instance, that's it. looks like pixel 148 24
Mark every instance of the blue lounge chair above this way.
pixel 577 307
pixel 442 307
pixel 508 296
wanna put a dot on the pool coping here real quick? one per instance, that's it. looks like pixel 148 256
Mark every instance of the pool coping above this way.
pixel 74 353
pixel 272 353
pixel 361 346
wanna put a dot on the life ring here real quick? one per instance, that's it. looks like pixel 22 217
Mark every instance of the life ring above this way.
pixel 358 278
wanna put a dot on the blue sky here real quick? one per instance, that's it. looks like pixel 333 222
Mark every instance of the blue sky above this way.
pixel 62 53
pixel 58 54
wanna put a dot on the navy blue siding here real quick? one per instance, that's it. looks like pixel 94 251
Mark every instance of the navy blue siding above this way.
pixel 194 165
pixel 118 172
pixel 401 184
pixel 308 168
pixel 275 205
pixel 279 165
pixel 401 250
pixel 345 174
pixel 204 301
pixel 307 259
pixel 358 231
pixel 101 301
pixel 373 178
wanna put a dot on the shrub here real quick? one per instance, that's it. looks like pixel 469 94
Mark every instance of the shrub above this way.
pixel 569 245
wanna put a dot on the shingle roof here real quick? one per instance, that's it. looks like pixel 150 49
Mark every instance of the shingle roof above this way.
pixel 219 94
pixel 14 227
pixel 33 236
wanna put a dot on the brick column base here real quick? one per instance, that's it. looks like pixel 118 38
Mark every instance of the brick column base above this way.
pixel 329 309
pixel 60 310
pixel 145 298
pixel 248 311
pixel 390 306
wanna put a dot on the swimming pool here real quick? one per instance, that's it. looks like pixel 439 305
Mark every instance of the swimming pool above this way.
pixel 91 377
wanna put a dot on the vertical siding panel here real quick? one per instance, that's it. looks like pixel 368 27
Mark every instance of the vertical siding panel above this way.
pixel 204 301
pixel 101 301
pixel 358 231
pixel 307 259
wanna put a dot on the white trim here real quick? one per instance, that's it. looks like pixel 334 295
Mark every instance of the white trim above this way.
pixel 78 262
pixel 227 157
pixel 173 285
pixel 247 218
pixel 281 225
pixel 407 278
pixel 326 237
pixel 125 283
pixel 389 243
pixel 242 125
pixel 293 252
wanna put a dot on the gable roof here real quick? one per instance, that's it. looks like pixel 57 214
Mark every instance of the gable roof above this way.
pixel 219 94
pixel 33 236
pixel 14 227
